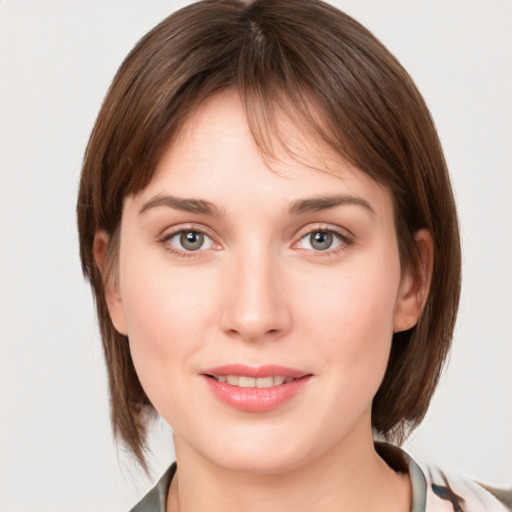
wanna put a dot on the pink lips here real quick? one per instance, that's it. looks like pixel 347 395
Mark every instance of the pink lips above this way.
pixel 256 399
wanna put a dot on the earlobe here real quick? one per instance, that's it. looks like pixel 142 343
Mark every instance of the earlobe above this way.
pixel 415 285
pixel 110 282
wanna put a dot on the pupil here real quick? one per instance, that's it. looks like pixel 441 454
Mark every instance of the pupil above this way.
pixel 321 240
pixel 191 240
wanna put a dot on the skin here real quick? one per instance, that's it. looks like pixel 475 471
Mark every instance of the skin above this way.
pixel 258 292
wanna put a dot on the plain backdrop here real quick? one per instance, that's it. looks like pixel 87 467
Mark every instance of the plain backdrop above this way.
pixel 57 58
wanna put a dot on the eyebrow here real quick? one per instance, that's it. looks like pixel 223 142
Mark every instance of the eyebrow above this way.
pixel 187 205
pixel 317 204
pixel 200 206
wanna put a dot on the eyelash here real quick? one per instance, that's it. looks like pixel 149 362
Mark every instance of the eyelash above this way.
pixel 344 239
pixel 183 253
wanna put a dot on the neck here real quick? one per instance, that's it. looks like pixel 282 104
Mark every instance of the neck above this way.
pixel 351 477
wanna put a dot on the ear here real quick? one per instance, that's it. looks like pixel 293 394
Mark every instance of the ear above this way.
pixel 110 281
pixel 415 285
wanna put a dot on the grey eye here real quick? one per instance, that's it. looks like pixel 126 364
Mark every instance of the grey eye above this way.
pixel 321 240
pixel 191 240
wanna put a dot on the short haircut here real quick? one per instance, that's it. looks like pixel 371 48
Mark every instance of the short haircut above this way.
pixel 306 60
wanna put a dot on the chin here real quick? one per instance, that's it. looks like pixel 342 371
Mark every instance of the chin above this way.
pixel 257 449
pixel 250 449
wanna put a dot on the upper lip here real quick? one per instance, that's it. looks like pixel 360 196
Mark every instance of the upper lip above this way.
pixel 268 370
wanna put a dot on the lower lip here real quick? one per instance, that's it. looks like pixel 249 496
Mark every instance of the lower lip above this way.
pixel 256 399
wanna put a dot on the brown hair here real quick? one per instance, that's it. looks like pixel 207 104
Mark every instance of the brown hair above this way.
pixel 305 59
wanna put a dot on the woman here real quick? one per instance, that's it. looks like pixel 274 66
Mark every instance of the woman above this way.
pixel 268 226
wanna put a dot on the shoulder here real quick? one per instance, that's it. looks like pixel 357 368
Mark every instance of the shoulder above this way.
pixel 434 490
pixel 455 493
pixel 155 499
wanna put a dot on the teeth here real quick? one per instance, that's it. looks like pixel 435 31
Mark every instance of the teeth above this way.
pixel 246 382
pixel 265 382
pixel 250 382
pixel 233 380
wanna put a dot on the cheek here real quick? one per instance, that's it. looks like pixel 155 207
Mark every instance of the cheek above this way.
pixel 351 315
pixel 357 299
pixel 161 306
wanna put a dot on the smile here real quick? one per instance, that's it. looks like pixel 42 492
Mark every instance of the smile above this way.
pixel 243 381
pixel 255 389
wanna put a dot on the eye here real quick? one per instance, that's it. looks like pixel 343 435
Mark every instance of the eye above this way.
pixel 321 240
pixel 189 240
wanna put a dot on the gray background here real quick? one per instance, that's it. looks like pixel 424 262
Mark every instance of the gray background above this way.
pixel 57 59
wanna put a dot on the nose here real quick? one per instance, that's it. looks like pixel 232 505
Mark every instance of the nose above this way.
pixel 255 303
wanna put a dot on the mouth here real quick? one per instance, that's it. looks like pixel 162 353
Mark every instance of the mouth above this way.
pixel 256 389
pixel 243 381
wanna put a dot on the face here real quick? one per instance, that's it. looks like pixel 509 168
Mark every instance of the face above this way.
pixel 259 303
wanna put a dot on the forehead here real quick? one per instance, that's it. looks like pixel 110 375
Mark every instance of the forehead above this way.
pixel 215 156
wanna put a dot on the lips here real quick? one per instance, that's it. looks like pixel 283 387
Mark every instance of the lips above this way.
pixel 255 389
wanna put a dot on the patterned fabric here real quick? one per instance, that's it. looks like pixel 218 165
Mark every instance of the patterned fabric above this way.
pixel 432 490
pixel 454 493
